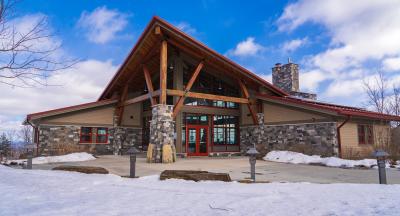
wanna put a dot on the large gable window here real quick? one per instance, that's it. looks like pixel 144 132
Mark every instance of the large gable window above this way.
pixel 365 134
pixel 94 135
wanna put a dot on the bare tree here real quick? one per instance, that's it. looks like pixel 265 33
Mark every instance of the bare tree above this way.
pixel 24 62
pixel 25 134
pixel 377 93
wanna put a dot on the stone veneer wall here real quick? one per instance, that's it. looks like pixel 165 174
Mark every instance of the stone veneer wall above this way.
pixel 57 140
pixel 307 138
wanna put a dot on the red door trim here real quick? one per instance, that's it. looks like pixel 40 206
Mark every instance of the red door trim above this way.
pixel 197 128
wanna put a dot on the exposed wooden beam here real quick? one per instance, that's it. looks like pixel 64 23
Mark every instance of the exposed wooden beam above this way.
pixel 189 85
pixel 149 84
pixel 163 72
pixel 249 105
pixel 174 92
pixel 142 98
pixel 121 102
pixel 157 30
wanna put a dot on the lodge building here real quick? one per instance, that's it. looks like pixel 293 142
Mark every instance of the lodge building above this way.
pixel 174 95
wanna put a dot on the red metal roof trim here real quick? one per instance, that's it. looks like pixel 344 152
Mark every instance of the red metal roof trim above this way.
pixel 339 109
pixel 88 105
pixel 192 40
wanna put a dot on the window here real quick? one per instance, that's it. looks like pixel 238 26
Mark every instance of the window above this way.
pixel 207 83
pixel 93 135
pixel 102 135
pixel 225 130
pixel 86 135
pixel 195 119
pixel 365 134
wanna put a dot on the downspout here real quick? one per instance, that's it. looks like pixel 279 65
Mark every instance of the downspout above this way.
pixel 338 135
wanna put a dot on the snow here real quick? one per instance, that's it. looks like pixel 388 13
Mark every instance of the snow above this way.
pixel 43 192
pixel 73 157
pixel 299 158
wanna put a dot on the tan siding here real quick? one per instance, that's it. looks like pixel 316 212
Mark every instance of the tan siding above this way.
pixel 279 113
pixel 134 110
pixel 245 117
pixel 382 135
pixel 349 140
pixel 95 116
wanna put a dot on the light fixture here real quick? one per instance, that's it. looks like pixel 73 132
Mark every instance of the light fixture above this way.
pixel 145 88
pixel 219 86
pixel 171 66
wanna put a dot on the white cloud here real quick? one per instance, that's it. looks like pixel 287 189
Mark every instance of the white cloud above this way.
pixel 186 27
pixel 310 80
pixel 80 84
pixel 391 64
pixel 360 32
pixel 345 88
pixel 102 24
pixel 246 48
pixel 293 45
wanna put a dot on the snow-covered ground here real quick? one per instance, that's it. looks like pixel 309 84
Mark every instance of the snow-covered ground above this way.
pixel 73 157
pixel 299 158
pixel 42 192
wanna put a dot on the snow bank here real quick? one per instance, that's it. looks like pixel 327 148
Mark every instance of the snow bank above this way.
pixel 299 158
pixel 43 192
pixel 73 157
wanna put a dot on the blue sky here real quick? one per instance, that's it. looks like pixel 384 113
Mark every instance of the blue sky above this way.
pixel 337 44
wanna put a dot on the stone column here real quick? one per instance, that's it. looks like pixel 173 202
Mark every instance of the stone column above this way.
pixel 260 120
pixel 162 127
pixel 261 144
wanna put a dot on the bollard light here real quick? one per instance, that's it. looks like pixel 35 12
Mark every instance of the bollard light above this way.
pixel 252 152
pixel 381 161
pixel 29 157
pixel 132 152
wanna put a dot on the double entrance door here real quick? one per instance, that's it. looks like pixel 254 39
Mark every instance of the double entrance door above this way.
pixel 197 140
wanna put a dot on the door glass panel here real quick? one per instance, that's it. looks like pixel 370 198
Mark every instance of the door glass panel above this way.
pixel 191 140
pixel 203 140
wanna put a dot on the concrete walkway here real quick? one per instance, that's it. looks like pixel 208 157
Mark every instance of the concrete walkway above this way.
pixel 238 168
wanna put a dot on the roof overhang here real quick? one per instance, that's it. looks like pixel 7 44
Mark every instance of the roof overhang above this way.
pixel 328 108
pixel 49 113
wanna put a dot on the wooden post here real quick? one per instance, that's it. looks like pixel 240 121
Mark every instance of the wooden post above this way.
pixel 247 95
pixel 189 85
pixel 149 84
pixel 163 72
pixel 121 106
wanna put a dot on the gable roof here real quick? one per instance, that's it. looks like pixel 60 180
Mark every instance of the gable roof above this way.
pixel 332 108
pixel 184 39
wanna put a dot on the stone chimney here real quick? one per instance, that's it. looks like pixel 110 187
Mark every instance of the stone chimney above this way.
pixel 286 77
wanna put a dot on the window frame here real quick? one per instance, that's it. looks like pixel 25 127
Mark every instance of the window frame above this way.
pixel 101 135
pixel 365 134
pixel 93 135
pixel 226 129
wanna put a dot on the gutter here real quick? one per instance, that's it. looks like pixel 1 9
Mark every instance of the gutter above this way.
pixel 338 135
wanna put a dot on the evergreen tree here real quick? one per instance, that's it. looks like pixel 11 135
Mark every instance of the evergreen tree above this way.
pixel 5 145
